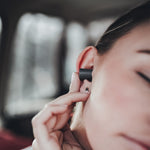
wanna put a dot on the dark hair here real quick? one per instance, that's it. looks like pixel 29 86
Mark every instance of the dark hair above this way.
pixel 123 25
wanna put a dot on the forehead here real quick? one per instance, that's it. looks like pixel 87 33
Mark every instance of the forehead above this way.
pixel 137 39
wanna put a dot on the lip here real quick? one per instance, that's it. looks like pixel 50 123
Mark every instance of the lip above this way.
pixel 142 144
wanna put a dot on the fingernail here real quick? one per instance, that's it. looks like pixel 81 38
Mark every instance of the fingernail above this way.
pixel 87 92
pixel 73 77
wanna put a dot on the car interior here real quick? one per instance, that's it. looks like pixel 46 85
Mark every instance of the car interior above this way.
pixel 40 41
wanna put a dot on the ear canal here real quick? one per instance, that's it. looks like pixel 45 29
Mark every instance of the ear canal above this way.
pixel 87 89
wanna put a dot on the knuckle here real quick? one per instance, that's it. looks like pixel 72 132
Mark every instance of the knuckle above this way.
pixel 71 94
pixel 35 121
pixel 48 105
pixel 34 144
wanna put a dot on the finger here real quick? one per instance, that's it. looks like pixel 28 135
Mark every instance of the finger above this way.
pixel 58 136
pixel 46 114
pixel 68 138
pixel 75 83
pixel 54 142
pixel 70 98
pixel 39 121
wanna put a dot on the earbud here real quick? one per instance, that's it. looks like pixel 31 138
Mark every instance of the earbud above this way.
pixel 85 74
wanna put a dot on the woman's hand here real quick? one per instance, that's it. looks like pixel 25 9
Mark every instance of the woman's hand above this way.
pixel 50 127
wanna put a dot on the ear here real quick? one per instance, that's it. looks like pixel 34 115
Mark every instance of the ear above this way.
pixel 86 58
pixel 86 61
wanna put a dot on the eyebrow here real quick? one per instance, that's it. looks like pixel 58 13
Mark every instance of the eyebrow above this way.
pixel 145 51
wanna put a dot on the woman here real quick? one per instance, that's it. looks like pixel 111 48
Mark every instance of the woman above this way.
pixel 113 112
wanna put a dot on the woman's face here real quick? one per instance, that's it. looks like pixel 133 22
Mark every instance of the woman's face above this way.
pixel 119 105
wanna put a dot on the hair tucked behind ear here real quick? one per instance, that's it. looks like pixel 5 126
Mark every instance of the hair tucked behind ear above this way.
pixel 123 25
pixel 119 28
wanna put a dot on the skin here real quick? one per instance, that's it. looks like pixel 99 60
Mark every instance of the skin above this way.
pixel 50 127
pixel 118 103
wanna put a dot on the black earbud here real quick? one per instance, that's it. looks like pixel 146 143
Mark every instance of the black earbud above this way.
pixel 85 74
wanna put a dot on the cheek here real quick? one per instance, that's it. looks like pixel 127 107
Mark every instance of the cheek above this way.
pixel 110 109
pixel 105 107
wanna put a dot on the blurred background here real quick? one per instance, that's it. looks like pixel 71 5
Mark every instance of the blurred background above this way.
pixel 39 44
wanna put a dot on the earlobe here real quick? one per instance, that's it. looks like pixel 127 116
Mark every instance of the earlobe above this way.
pixel 86 58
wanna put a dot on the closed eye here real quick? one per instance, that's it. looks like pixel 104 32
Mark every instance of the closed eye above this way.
pixel 144 76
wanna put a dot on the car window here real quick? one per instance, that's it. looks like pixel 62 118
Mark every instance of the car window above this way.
pixel 0 28
pixel 33 79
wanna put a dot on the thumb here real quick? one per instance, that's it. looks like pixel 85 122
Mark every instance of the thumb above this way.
pixel 75 83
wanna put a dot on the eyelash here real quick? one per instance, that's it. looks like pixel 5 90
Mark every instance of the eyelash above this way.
pixel 144 77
